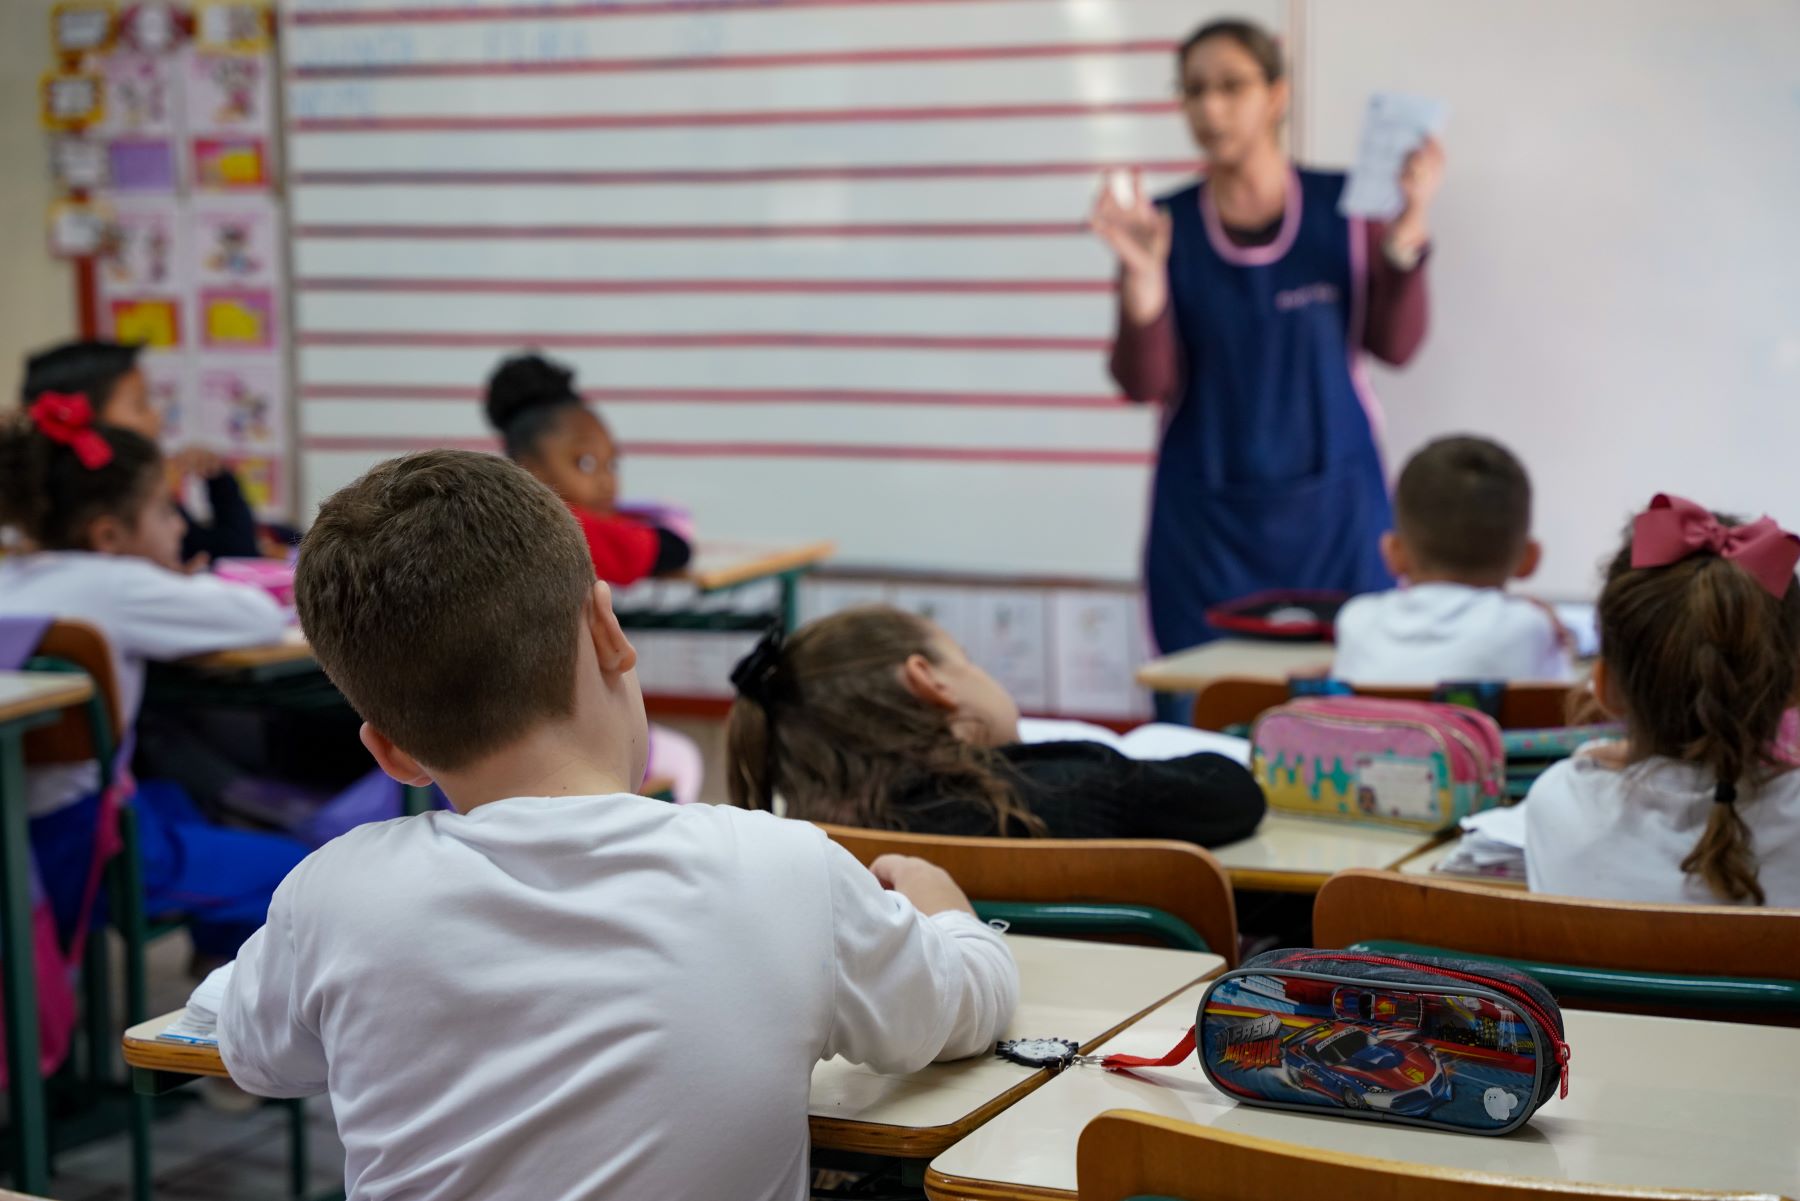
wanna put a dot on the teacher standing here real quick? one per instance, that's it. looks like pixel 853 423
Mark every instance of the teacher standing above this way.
pixel 1246 305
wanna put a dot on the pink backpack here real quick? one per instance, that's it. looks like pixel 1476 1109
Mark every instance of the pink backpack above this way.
pixel 1406 763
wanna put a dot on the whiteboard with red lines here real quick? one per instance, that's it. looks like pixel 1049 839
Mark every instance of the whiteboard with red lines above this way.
pixel 822 263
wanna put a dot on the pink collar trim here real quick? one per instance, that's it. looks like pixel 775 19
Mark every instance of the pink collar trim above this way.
pixel 1253 256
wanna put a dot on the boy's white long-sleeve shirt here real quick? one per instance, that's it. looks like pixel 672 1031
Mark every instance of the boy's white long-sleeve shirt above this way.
pixel 1430 633
pixel 588 997
pixel 146 612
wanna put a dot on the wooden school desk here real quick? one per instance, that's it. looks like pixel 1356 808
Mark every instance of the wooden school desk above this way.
pixel 1426 861
pixel 723 566
pixel 1230 658
pixel 1076 990
pixel 1652 1101
pixel 27 699
pixel 1289 853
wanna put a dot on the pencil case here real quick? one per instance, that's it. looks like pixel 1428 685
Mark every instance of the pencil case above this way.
pixel 1453 1044
pixel 271 575
pixel 1417 764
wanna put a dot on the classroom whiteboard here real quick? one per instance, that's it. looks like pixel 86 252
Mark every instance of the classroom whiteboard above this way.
pixel 1616 277
pixel 822 263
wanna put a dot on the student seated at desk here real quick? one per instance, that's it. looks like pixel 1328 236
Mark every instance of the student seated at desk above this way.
pixel 550 431
pixel 107 373
pixel 1700 658
pixel 561 989
pixel 1463 518
pixel 93 502
pixel 874 717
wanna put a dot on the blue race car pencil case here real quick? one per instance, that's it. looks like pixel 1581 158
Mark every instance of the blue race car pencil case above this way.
pixel 1455 1044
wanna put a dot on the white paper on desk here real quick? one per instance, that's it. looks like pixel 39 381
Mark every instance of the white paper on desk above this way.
pixel 199 1024
pixel 1492 844
pixel 1154 740
pixel 1395 125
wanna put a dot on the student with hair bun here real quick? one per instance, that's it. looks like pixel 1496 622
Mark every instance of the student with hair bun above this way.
pixel 552 433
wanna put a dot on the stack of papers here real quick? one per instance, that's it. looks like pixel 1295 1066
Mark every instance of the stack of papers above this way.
pixel 1156 740
pixel 200 1022
pixel 1492 844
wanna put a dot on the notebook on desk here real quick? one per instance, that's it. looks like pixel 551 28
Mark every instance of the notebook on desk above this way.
pixel 199 1023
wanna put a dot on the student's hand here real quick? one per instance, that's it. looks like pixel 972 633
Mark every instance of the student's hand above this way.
pixel 197 461
pixel 1141 234
pixel 1420 178
pixel 928 886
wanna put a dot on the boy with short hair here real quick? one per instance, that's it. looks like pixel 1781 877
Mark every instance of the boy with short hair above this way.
pixel 1463 516
pixel 560 989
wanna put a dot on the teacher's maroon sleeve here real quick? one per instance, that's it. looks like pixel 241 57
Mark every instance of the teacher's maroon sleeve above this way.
pixel 1146 359
pixel 1398 307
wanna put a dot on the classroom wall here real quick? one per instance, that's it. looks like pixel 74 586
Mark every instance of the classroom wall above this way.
pixel 1616 277
pixel 37 292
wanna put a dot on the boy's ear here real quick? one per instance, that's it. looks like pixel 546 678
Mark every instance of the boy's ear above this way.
pixel 1529 560
pixel 920 677
pixel 612 650
pixel 392 760
pixel 1393 553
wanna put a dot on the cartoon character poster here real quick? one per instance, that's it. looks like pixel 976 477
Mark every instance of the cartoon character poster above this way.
pixel 1458 1060
pixel 167 378
pixel 238 318
pixel 228 93
pixel 140 123
pixel 235 241
pixel 241 403
pixel 141 272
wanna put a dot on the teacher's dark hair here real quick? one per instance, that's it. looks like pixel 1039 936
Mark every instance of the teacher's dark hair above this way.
pixel 1255 41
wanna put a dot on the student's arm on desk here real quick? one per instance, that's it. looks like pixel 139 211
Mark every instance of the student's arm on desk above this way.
pixel 263 1036
pixel 163 614
pixel 908 988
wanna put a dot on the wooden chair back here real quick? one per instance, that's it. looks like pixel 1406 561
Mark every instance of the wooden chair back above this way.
pixel 1229 702
pixel 1125 1155
pixel 1714 942
pixel 71 739
pixel 1177 877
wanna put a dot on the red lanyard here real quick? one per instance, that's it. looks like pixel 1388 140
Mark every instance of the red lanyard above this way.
pixel 1181 1051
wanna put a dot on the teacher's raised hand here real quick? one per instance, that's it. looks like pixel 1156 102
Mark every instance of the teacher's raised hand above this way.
pixel 1140 234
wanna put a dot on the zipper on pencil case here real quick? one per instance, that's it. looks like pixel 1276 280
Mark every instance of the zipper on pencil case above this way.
pixel 1538 1013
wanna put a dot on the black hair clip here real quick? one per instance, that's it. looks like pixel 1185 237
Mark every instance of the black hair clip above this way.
pixel 1725 793
pixel 754 676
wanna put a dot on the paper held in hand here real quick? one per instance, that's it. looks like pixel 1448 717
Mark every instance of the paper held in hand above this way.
pixel 1396 125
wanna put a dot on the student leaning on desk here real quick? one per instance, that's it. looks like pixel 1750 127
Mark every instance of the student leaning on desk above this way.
pixel 561 989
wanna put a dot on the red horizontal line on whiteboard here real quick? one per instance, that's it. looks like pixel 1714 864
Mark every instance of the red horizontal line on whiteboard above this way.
pixel 466 395
pixel 408 338
pixel 730 175
pixel 593 8
pixel 529 122
pixel 918 229
pixel 776 450
pixel 727 287
pixel 727 62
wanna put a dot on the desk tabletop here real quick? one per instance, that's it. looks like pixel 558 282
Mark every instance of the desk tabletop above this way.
pixel 1075 990
pixel 28 693
pixel 1078 990
pixel 1652 1101
pixel 1426 862
pixel 292 648
pixel 1289 853
pixel 719 565
pixel 1198 666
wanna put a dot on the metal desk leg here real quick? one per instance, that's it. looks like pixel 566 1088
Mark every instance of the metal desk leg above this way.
pixel 790 600
pixel 415 800
pixel 18 974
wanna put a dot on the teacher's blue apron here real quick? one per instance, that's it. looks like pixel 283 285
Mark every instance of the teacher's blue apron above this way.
pixel 1268 475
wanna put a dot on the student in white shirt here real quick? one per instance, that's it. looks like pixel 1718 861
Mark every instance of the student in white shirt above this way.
pixel 1699 657
pixel 93 505
pixel 559 989
pixel 1463 530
